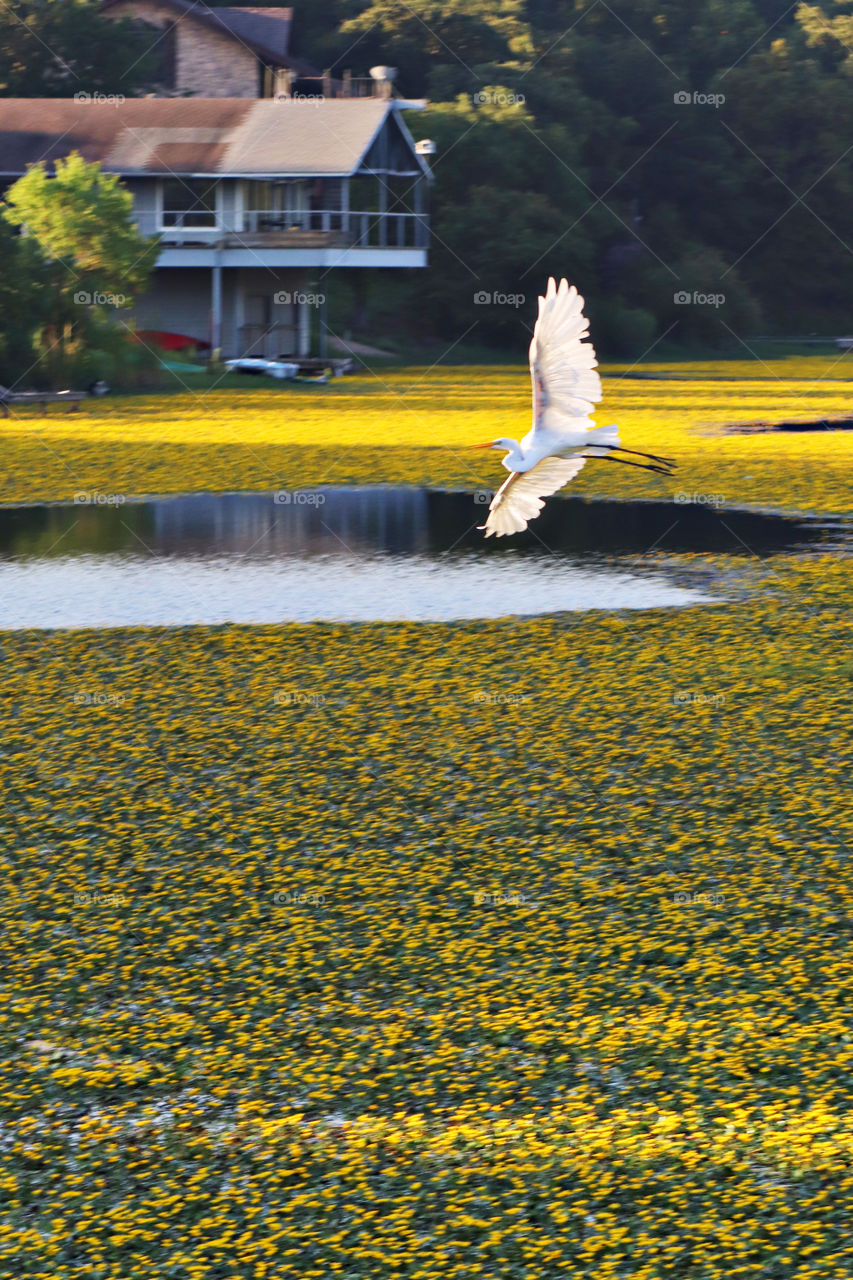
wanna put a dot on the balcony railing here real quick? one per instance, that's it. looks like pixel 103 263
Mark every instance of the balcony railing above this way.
pixel 189 219
pixel 327 86
pixel 315 228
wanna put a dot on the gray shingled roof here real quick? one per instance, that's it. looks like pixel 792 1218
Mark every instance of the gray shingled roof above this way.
pixel 238 136
pixel 263 27
pixel 265 31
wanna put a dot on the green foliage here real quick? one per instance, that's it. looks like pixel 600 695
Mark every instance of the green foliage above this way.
pixel 831 36
pixel 103 352
pixel 82 220
pixel 465 36
pixel 497 215
pixel 56 48
pixel 80 263
pixel 586 164
pixel 22 282
pixel 627 332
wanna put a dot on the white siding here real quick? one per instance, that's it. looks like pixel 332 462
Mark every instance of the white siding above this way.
pixel 179 301
pixel 144 192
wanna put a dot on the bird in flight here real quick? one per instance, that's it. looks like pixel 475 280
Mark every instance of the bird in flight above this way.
pixel 562 439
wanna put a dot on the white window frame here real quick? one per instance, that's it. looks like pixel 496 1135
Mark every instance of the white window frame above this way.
pixel 190 226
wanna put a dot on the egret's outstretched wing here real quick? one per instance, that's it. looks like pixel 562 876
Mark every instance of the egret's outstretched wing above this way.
pixel 562 364
pixel 519 498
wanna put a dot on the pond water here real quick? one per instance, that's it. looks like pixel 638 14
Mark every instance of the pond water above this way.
pixel 352 554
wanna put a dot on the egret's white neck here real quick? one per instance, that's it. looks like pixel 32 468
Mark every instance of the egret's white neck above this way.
pixel 514 460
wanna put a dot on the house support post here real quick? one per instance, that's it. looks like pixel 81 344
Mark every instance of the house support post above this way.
pixel 323 342
pixel 345 209
pixel 383 205
pixel 216 309
pixel 421 236
pixel 239 315
pixel 304 329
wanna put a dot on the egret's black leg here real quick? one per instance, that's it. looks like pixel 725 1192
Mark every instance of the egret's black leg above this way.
pixel 667 462
pixel 644 466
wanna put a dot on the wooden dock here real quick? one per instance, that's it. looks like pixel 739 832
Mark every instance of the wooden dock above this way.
pixel 70 398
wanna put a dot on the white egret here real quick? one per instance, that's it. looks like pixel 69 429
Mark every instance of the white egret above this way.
pixel 562 439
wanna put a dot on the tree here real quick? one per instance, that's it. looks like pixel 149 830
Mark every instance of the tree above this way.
pixel 646 153
pixel 56 48
pixel 92 259
pixel 462 36
pixel 831 37
pixel 500 214
pixel 22 290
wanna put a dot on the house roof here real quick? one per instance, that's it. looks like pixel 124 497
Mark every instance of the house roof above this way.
pixel 265 31
pixel 186 136
pixel 268 28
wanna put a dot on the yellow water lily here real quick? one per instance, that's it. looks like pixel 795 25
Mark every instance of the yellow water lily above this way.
pixel 574 1001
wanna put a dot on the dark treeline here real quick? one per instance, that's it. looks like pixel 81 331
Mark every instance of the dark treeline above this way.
pixel 647 149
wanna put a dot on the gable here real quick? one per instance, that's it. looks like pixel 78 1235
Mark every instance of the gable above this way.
pixel 392 151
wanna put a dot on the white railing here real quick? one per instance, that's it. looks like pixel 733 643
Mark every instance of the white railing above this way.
pixel 352 228
pixel 177 226
pixel 189 219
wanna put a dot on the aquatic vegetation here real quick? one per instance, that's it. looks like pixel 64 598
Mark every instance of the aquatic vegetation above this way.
pixel 513 949
pixel 509 949
pixel 412 426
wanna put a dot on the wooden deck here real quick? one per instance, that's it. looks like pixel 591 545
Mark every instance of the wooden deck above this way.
pixel 288 240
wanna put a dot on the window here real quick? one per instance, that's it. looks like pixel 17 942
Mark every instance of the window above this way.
pixel 276 206
pixel 189 203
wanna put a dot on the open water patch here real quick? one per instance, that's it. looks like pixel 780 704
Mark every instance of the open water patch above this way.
pixel 353 554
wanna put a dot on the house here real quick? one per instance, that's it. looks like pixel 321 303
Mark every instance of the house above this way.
pixel 217 53
pixel 232 53
pixel 255 201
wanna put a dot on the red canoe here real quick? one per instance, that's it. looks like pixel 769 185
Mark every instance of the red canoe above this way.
pixel 170 341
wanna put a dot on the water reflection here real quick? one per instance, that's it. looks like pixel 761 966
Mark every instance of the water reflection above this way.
pixel 349 554
pixel 403 521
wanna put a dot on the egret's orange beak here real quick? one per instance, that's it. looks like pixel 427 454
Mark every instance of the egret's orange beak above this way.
pixel 487 445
